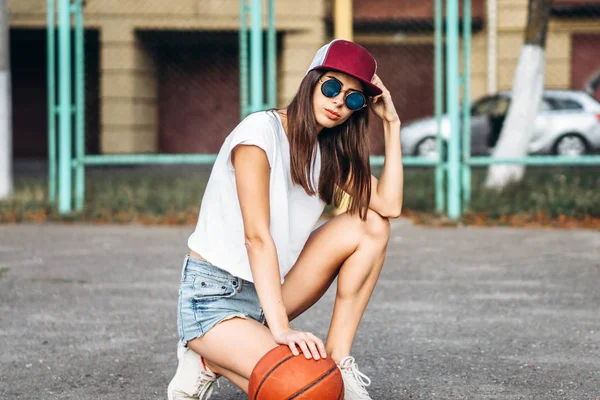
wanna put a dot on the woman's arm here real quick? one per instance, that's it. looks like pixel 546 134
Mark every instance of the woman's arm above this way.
pixel 252 173
pixel 387 192
pixel 252 181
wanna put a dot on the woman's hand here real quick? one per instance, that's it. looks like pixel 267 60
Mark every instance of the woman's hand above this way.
pixel 382 105
pixel 311 346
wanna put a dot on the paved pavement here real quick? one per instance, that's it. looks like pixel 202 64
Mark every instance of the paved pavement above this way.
pixel 88 312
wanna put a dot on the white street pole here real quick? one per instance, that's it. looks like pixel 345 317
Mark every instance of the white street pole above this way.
pixel 5 107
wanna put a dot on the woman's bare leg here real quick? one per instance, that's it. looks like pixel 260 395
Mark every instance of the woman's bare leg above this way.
pixel 345 245
pixel 233 347
pixel 352 249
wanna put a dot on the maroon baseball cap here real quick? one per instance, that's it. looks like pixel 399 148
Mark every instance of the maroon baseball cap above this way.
pixel 349 58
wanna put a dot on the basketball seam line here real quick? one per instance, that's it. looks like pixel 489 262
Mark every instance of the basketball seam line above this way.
pixel 325 375
pixel 269 373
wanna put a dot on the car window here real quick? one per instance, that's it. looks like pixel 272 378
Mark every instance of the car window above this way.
pixel 545 105
pixel 565 104
pixel 501 107
pixel 484 106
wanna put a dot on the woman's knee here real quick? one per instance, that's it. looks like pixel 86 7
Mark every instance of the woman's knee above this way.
pixel 377 227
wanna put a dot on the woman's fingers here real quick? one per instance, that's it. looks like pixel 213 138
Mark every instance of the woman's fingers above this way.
pixel 319 346
pixel 304 342
pixel 314 352
pixel 378 82
pixel 304 348
pixel 293 348
pixel 309 344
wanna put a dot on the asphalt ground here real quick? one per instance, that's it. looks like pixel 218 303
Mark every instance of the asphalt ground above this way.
pixel 89 312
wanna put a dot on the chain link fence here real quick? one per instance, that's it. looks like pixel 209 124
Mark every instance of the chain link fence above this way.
pixel 175 90
pixel 165 78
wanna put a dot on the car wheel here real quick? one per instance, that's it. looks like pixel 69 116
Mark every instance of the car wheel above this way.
pixel 571 145
pixel 427 148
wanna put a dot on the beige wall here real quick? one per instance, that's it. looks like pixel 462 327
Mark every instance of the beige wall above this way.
pixel 128 87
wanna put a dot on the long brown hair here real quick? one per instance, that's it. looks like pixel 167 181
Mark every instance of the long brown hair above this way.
pixel 344 151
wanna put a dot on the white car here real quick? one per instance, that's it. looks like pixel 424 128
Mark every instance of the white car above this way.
pixel 567 123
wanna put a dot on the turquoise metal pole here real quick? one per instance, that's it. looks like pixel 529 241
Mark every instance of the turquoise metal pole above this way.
pixel 64 82
pixel 129 159
pixel 537 160
pixel 452 79
pixel 79 105
pixel 271 57
pixel 438 105
pixel 256 58
pixel 243 35
pixel 51 74
pixel 466 111
pixel 377 161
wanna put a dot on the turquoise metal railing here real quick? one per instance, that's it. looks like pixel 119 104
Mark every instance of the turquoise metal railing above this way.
pixel 256 58
pixel 252 96
pixel 251 51
pixel 455 170
pixel 452 105
pixel 64 108
pixel 51 77
pixel 77 9
pixel 439 104
pixel 460 161
pixel 537 160
pixel 63 166
pixel 466 106
pixel 243 52
pixel 271 56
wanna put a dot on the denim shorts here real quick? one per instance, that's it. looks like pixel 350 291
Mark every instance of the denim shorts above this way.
pixel 209 295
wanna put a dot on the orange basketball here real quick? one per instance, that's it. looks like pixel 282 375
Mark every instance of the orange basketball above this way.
pixel 280 375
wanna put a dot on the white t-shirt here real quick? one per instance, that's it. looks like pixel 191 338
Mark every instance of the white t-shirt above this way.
pixel 219 235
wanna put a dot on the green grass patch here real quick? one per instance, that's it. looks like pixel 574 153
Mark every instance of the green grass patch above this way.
pixel 159 196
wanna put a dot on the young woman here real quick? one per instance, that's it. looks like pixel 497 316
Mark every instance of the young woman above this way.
pixel 254 264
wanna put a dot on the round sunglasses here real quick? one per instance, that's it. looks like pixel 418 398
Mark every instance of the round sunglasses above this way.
pixel 353 100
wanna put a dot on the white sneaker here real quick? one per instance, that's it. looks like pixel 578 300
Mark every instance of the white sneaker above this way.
pixel 193 379
pixel 354 380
